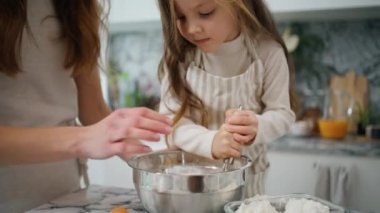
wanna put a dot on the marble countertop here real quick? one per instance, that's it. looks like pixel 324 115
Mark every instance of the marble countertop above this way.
pixel 95 199
pixel 350 146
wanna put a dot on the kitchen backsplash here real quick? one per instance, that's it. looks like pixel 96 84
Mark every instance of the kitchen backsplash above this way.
pixel 325 48
pixel 133 58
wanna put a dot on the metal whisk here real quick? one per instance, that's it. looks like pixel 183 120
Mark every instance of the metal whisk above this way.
pixel 230 161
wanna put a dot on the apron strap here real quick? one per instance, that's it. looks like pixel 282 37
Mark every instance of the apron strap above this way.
pixel 83 171
pixel 82 162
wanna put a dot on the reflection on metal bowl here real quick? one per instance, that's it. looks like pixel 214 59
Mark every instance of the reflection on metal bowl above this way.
pixel 176 181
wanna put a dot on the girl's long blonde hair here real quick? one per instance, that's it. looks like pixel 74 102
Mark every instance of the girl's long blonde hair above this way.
pixel 255 19
pixel 80 22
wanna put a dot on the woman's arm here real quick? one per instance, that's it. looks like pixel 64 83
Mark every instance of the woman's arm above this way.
pixel 35 145
pixel 92 107
pixel 98 141
pixel 106 135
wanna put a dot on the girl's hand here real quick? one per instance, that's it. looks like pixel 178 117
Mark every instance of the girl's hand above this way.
pixel 120 132
pixel 224 146
pixel 242 124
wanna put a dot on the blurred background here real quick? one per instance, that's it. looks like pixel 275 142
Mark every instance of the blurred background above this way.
pixel 333 150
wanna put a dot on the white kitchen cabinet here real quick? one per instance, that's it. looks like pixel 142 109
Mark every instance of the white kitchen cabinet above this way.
pixel 123 11
pixel 280 6
pixel 134 11
pixel 114 171
pixel 110 172
pixel 296 173
pixel 301 10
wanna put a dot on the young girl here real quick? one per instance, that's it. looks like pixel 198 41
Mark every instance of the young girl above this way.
pixel 219 55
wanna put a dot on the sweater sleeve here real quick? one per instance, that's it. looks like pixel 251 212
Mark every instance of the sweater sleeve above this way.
pixel 277 115
pixel 186 135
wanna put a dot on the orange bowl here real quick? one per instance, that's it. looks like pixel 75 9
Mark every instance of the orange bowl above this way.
pixel 333 129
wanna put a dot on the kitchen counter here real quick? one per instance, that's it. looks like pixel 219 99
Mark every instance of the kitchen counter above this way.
pixel 350 146
pixel 95 199
pixel 302 164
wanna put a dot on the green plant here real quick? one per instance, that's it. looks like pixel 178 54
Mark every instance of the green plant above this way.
pixel 365 116
pixel 113 77
pixel 127 92
pixel 369 116
pixel 138 98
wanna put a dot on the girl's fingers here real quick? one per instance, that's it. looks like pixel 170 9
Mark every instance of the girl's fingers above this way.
pixel 235 145
pixel 233 112
pixel 232 148
pixel 241 119
pixel 233 153
pixel 229 113
pixel 243 139
pixel 243 130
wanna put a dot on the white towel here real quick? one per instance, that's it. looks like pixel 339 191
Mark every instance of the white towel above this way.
pixel 332 184
pixel 339 185
pixel 322 184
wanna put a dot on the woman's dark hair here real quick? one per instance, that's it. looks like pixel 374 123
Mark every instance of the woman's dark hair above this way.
pixel 80 23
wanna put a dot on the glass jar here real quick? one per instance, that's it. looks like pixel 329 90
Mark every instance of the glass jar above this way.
pixel 338 107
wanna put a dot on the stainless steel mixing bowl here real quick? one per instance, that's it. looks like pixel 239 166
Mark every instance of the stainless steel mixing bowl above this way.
pixel 176 181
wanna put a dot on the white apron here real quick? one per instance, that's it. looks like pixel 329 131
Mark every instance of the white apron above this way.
pixel 222 93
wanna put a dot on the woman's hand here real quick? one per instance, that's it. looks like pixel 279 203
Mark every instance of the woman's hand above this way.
pixel 133 147
pixel 224 146
pixel 242 124
pixel 120 132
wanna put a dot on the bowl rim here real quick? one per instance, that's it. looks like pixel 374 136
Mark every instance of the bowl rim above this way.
pixel 134 158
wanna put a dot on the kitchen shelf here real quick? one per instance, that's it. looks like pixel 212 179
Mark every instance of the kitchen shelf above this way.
pixel 329 14
pixel 136 11
pixel 285 6
pixel 300 10
pixel 123 11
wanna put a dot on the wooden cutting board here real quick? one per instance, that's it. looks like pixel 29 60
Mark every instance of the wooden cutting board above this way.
pixel 357 87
